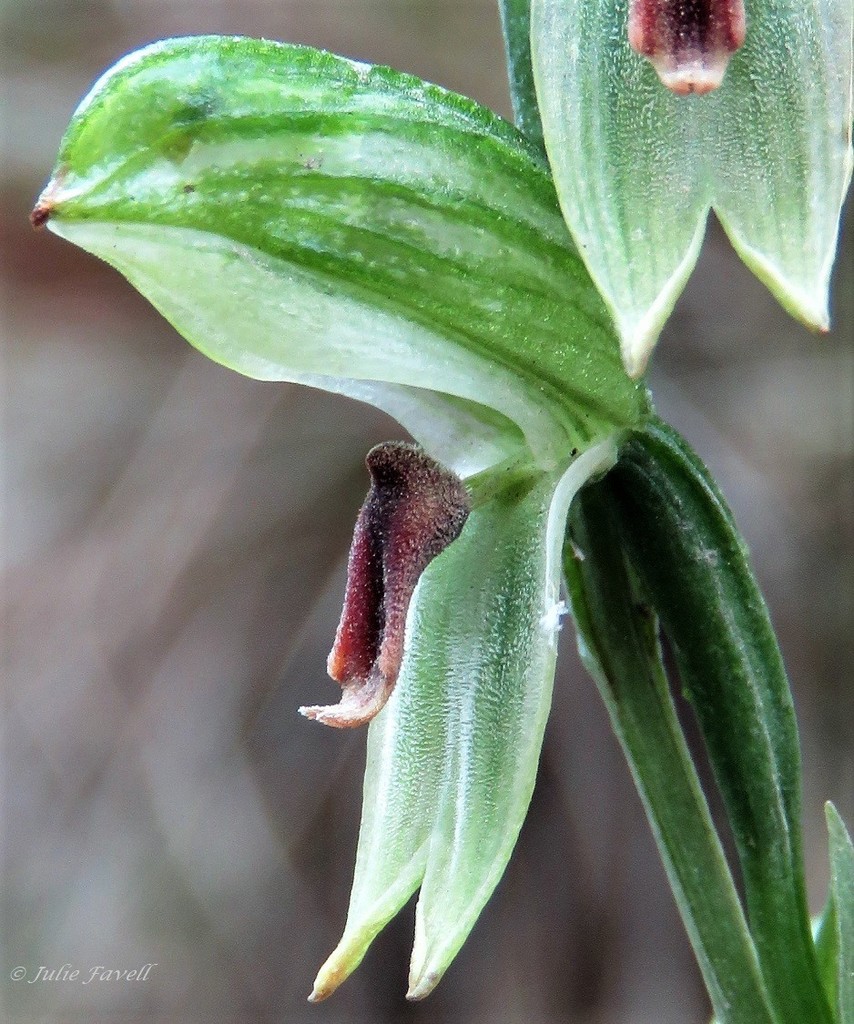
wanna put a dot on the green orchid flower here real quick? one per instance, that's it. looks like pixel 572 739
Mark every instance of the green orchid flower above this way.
pixel 638 167
pixel 301 217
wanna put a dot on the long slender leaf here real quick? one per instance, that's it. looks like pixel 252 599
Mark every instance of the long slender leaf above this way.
pixel 842 889
pixel 693 565
pixel 617 640
pixel 516 23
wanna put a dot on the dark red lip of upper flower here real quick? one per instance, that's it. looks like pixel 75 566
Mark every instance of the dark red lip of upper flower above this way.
pixel 414 509
pixel 689 42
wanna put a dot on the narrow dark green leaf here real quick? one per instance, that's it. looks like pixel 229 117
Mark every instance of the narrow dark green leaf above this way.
pixel 618 642
pixel 842 889
pixel 300 216
pixel 516 22
pixel 694 567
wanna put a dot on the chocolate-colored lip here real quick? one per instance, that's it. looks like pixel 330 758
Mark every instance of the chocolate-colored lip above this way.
pixel 414 509
pixel 689 42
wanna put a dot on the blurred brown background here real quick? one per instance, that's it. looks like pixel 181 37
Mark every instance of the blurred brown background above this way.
pixel 174 543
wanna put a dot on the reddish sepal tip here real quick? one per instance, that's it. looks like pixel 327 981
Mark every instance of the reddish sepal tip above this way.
pixel 40 215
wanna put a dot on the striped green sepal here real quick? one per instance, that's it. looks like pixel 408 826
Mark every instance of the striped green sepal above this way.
pixel 300 216
pixel 638 168
pixel 693 566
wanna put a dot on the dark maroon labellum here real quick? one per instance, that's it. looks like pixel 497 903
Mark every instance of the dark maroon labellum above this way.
pixel 689 42
pixel 414 509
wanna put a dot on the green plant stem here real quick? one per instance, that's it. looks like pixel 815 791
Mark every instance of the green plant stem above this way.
pixel 617 638
pixel 693 567
pixel 516 22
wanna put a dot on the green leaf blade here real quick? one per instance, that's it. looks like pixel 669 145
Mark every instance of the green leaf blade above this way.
pixel 617 639
pixel 516 25
pixel 693 565
pixel 842 896
pixel 366 192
